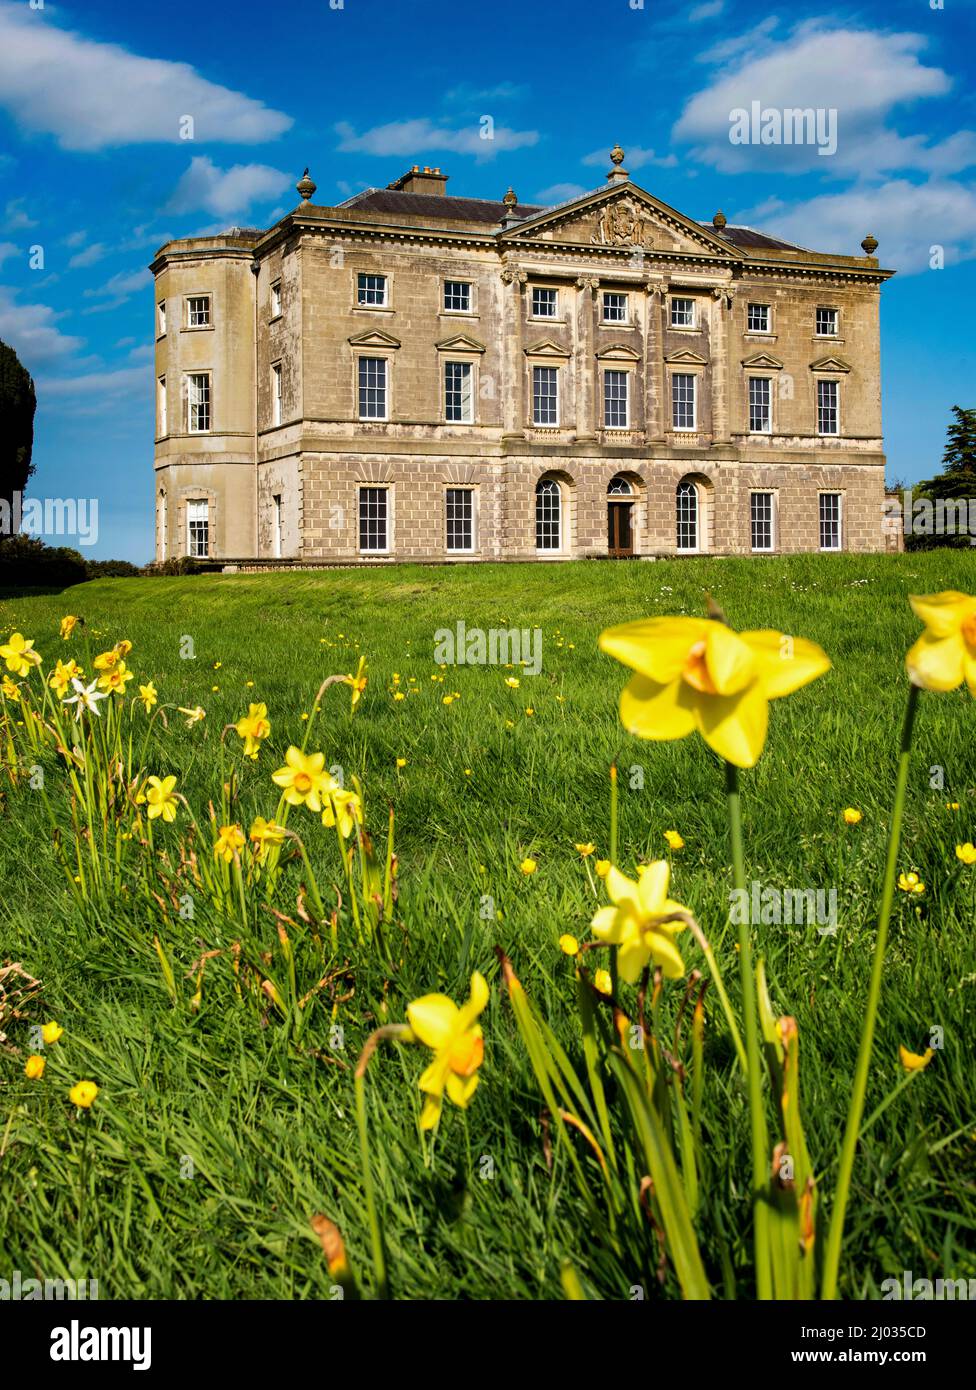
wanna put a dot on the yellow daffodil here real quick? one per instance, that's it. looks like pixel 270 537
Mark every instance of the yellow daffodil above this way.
pixel 63 674
pixel 34 1067
pixel 50 1032
pixel 116 679
pixel 304 780
pixel 966 852
pixel 106 660
pixel 265 834
pixel 68 625
pixel 124 647
pixel 674 839
pixel 456 1040
pixel 945 654
pixel 630 923
pixel 602 981
pixel 230 841
pixel 161 798
pixel 83 1093
pixel 148 695
pixel 568 945
pixel 252 728
pixel 696 673
pixel 585 850
pixel 913 1061
pixel 851 815
pixel 345 809
pixel 10 691
pixel 19 654
pixel 359 680
pixel 528 866
pixel 910 883
pixel 194 715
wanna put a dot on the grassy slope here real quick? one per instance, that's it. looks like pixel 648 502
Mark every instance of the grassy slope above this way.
pixel 271 1134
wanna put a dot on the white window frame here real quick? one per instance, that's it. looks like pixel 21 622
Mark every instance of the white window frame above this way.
pixel 693 378
pixel 276 299
pixel 191 378
pixel 364 289
pixel 687 517
pixel 540 290
pixel 277 387
pixel 767 313
pixel 830 332
pixel 193 518
pixel 752 381
pixel 837 520
pixel 823 382
pixel 683 299
pixel 467 308
pixel 467 406
pixel 387 494
pixel 756 521
pixel 472 503
pixel 162 414
pixel 624 380
pixel 624 316
pixel 277 524
pixel 536 396
pixel 192 299
pixel 161 318
pixel 361 360
pixel 548 488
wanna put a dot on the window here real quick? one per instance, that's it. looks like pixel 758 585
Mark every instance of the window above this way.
pixel 198 311
pixel 545 395
pixel 372 388
pixel 371 291
pixel 457 297
pixel 828 407
pixel 459 504
pixel 548 515
pixel 458 397
pixel 161 319
pixel 760 408
pixel 373 518
pixel 161 405
pixel 162 525
pixel 827 323
pixel 682 313
pixel 830 521
pixel 619 487
pixel 615 307
pixel 683 401
pixel 544 303
pixel 761 520
pixel 276 299
pixel 686 499
pixel 276 394
pixel 758 318
pixel 615 400
pixel 276 525
pixel 198 529
pixel 198 402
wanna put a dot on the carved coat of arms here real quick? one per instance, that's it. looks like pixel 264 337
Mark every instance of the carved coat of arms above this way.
pixel 621 223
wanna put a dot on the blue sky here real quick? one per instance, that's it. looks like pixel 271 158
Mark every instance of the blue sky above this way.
pixel 94 172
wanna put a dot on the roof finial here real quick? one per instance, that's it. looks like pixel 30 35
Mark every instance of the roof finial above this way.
pixel 618 174
pixel 510 216
pixel 869 245
pixel 306 187
pixel 718 221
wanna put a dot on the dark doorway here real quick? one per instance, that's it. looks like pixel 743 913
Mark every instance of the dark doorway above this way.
pixel 620 529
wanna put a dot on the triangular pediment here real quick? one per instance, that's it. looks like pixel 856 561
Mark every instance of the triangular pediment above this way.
pixel 618 352
pixel 546 348
pixel 830 364
pixel 460 342
pixel 684 357
pixel 763 359
pixel 623 216
pixel 374 338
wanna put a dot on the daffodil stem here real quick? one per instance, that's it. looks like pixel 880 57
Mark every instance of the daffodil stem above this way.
pixel 375 1228
pixel 835 1234
pixel 750 1011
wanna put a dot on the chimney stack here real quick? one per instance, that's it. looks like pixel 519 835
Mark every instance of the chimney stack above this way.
pixel 417 180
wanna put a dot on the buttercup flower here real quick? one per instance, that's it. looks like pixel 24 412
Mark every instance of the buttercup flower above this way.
pixel 148 696
pixel 68 625
pixel 456 1040
pixel 966 852
pixel 569 945
pixel 512 682
pixel 230 841
pixel 602 981
pixel 913 1061
pixel 85 697
pixel 50 1033
pixel 252 728
pixel 945 654
pixel 63 674
pixel 344 808
pixel 401 762
pixel 674 839
pixel 265 833
pixel 910 883
pixel 696 673
pixel 19 654
pixel 528 866
pixel 630 923
pixel 303 779
pixel 851 815
pixel 34 1067
pixel 585 849
pixel 161 798
pixel 83 1093
pixel 602 867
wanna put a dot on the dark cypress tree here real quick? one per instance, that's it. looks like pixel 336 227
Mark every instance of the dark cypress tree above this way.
pixel 958 476
pixel 17 405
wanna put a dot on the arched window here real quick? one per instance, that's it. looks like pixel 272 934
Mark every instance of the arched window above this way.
pixel 548 515
pixel 619 487
pixel 687 512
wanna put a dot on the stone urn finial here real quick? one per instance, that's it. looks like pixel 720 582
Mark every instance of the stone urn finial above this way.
pixel 719 220
pixel 869 245
pixel 617 155
pixel 510 199
pixel 618 174
pixel 306 187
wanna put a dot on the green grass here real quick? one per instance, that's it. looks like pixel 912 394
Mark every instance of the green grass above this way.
pixel 270 1128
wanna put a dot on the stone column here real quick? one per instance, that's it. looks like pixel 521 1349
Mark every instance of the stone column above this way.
pixel 720 365
pixel 655 407
pixel 513 355
pixel 587 286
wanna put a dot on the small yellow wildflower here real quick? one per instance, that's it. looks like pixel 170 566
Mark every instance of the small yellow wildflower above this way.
pixel 910 883
pixel 852 816
pixel 399 695
pixel 252 728
pixel 952 805
pixel 10 691
pixel 512 682
pixel 148 696
pixel 913 1061
pixel 83 1093
pixel 586 849
pixel 68 625
pixel 51 1032
pixel 568 945
pixel 602 981
pixel 966 852
pixel 34 1067
pixel 161 797
pixel 528 866
pixel 602 867
pixel 674 839
pixel 401 762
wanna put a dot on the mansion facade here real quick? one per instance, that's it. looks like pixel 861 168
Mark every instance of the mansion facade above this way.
pixel 416 376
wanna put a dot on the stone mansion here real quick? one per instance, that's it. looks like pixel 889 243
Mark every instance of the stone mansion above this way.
pixel 416 376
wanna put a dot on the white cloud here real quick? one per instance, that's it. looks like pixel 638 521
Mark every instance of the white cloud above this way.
pixel 635 157
pixel 32 331
pixel 862 75
pixel 93 96
pixel 467 94
pixel 118 290
pixel 710 10
pixel 225 192
pixel 91 254
pixel 908 220
pixel 123 381
pixel 8 249
pixel 416 137
pixel 15 219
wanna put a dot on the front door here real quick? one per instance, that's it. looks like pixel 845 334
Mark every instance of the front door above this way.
pixel 620 530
